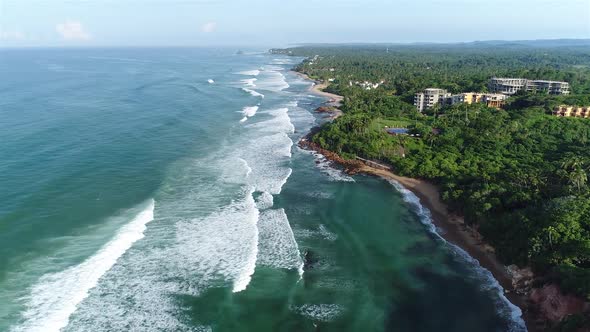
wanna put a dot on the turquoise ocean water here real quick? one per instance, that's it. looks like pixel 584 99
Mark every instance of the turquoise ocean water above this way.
pixel 161 190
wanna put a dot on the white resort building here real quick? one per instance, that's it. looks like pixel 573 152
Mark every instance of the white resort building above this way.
pixel 510 86
pixel 429 98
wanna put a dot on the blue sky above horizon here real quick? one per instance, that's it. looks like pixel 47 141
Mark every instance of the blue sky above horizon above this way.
pixel 280 23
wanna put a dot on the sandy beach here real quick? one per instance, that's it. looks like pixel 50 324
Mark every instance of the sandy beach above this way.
pixel 318 89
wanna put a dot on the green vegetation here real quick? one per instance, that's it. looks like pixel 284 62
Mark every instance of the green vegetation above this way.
pixel 520 175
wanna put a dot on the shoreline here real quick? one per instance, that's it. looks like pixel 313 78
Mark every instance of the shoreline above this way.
pixel 318 89
pixel 454 229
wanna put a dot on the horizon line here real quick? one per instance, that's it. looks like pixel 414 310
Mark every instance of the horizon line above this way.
pixel 299 44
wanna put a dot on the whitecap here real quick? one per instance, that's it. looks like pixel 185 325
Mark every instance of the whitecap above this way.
pixel 253 93
pixel 273 81
pixel 254 72
pixel 250 111
pixel 56 296
pixel 277 246
pixel 249 82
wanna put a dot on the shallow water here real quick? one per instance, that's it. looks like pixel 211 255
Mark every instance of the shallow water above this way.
pixel 160 189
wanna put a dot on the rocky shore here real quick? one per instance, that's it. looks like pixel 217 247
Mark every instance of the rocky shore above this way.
pixel 542 307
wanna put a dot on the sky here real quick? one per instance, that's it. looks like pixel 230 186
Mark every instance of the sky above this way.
pixel 280 23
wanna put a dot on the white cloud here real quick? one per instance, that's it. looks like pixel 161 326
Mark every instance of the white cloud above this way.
pixel 72 30
pixel 209 27
pixel 12 35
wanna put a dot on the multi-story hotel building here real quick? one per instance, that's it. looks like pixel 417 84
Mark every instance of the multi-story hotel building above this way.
pixel 510 86
pixel 495 100
pixel 429 98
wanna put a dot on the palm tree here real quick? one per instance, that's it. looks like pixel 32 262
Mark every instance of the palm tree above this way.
pixel 572 163
pixel 578 178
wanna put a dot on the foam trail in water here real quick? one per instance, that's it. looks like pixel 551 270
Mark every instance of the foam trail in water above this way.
pixel 250 82
pixel 264 201
pixel 254 72
pixel 319 312
pixel 280 123
pixel 56 296
pixel 277 246
pixel 273 80
pixel 325 166
pixel 253 93
pixel 248 112
pixel 503 305
pixel 268 153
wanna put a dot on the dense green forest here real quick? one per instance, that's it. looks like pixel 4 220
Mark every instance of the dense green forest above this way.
pixel 520 174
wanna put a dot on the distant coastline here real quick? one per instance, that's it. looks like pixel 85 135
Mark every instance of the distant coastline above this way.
pixel 453 227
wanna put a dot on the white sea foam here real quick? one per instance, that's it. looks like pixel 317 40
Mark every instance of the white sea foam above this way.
pixel 280 122
pixel 254 72
pixel 326 234
pixel 250 82
pixel 503 305
pixel 319 312
pixel 250 111
pixel 184 257
pixel 268 152
pixel 267 159
pixel 222 245
pixel 264 201
pixel 277 246
pixel 210 81
pixel 325 166
pixel 253 93
pixel 272 80
pixel 248 168
pixel 56 296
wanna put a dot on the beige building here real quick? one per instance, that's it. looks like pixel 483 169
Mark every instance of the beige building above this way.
pixel 572 111
pixel 510 86
pixel 429 98
pixel 495 100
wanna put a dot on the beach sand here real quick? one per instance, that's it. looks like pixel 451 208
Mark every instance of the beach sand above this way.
pixel 318 89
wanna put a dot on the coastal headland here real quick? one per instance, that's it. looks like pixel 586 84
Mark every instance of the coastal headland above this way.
pixel 453 227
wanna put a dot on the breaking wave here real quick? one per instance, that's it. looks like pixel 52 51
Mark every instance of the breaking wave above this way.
pixel 254 72
pixel 249 82
pixel 253 93
pixel 56 296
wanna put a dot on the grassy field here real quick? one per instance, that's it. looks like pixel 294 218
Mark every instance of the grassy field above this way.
pixel 379 124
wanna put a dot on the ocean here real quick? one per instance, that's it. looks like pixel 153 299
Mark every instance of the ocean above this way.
pixel 163 190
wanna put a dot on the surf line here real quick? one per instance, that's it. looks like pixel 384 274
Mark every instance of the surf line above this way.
pixel 56 296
